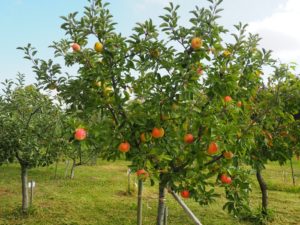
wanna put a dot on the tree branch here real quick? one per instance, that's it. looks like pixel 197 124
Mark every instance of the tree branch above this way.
pixel 31 115
pixel 215 159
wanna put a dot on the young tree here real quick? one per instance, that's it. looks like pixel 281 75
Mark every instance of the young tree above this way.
pixel 177 105
pixel 29 129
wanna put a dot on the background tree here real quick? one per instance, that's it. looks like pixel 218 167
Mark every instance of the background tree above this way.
pixel 274 127
pixel 86 149
pixel 30 129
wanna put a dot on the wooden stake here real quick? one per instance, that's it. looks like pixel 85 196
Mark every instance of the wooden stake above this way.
pixel 140 203
pixel 185 208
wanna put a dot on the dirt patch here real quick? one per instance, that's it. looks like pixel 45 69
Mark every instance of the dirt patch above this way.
pixel 5 192
pixel 125 193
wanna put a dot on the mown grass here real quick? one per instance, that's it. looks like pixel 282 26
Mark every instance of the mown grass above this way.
pixel 97 195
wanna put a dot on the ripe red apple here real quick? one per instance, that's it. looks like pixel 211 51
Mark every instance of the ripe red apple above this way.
pixel 142 174
pixel 158 132
pixel 80 134
pixel 188 138
pixel 185 194
pixel 225 179
pixel 124 147
pixel 212 148
pixel 75 47
pixel 227 99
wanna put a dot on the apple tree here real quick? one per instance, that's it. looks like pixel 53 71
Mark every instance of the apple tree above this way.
pixel 174 100
pixel 30 129
pixel 273 123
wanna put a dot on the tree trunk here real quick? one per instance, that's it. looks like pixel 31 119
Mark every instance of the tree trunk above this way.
pixel 73 169
pixel 264 192
pixel 24 179
pixel 140 203
pixel 161 203
pixel 293 173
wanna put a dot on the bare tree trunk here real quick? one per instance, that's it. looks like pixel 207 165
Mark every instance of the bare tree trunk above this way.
pixel 24 179
pixel 140 203
pixel 161 203
pixel 73 169
pixel 264 192
pixel 293 173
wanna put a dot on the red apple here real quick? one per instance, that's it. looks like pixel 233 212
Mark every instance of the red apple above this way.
pixel 80 134
pixel 158 132
pixel 227 99
pixel 124 147
pixel 212 148
pixel 188 138
pixel 75 47
pixel 142 174
pixel 185 194
pixel 225 179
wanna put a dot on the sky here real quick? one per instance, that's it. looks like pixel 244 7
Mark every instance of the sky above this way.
pixel 38 22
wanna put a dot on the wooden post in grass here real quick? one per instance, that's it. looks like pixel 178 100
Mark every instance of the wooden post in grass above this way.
pixel 140 203
pixel 166 216
pixel 67 167
pixel 55 172
pixel 31 185
pixel 284 176
pixel 128 181
pixel 161 202
pixel 293 174
pixel 185 208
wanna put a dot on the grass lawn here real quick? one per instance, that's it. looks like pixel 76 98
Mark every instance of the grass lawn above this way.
pixel 97 195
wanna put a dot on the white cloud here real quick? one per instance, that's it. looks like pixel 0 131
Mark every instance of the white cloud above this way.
pixel 280 31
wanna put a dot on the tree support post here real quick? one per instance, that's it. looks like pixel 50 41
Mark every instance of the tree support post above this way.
pixel 129 181
pixel 67 167
pixel 185 208
pixel 293 173
pixel 140 203
pixel 161 203
pixel 166 216
pixel 31 192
